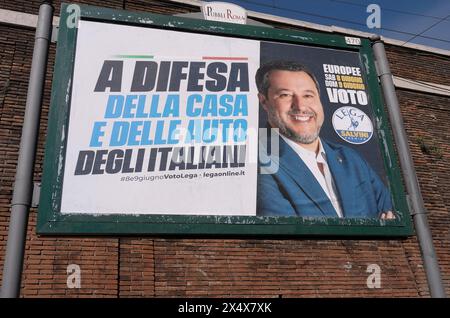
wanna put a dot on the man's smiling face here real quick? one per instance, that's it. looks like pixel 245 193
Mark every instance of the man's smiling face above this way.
pixel 293 105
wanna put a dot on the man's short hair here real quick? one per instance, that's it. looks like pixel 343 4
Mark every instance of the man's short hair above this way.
pixel 262 75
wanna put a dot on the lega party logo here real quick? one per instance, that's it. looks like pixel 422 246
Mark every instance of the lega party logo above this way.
pixel 352 125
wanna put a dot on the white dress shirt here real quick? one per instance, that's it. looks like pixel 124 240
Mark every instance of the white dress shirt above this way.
pixel 326 179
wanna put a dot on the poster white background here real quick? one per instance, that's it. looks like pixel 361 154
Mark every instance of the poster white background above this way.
pixel 106 193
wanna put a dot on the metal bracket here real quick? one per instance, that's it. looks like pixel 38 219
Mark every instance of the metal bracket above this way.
pixel 36 194
pixel 55 31
pixel 411 209
pixel 410 206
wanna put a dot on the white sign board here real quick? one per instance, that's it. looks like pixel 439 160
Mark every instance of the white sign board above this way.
pixel 161 122
pixel 224 12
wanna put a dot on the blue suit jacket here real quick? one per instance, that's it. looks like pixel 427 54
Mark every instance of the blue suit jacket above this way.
pixel 294 191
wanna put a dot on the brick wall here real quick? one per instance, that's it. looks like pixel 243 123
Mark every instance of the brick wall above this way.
pixel 279 268
pixel 180 267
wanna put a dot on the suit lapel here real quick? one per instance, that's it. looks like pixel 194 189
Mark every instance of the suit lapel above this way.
pixel 337 168
pixel 299 172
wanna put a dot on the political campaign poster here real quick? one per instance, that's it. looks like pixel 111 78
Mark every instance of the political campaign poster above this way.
pixel 169 125
pixel 319 100
pixel 161 122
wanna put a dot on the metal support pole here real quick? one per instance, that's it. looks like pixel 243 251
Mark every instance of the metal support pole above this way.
pixel 412 185
pixel 23 185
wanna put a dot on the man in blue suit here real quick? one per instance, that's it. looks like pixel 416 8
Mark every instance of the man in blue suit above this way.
pixel 315 178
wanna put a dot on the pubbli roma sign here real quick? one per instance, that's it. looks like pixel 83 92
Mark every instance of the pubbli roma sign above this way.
pixel 164 125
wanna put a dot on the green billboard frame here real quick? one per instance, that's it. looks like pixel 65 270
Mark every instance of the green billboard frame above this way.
pixel 51 221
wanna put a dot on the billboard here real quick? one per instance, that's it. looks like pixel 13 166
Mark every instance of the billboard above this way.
pixel 177 126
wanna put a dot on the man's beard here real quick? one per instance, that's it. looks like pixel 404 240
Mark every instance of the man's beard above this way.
pixel 276 122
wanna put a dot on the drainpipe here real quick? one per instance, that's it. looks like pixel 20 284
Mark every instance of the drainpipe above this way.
pixel 412 185
pixel 23 183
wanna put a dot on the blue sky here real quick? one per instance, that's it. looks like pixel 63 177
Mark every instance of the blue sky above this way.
pixel 400 19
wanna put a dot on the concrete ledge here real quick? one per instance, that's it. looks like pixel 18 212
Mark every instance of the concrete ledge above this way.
pixel 421 86
pixel 21 19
